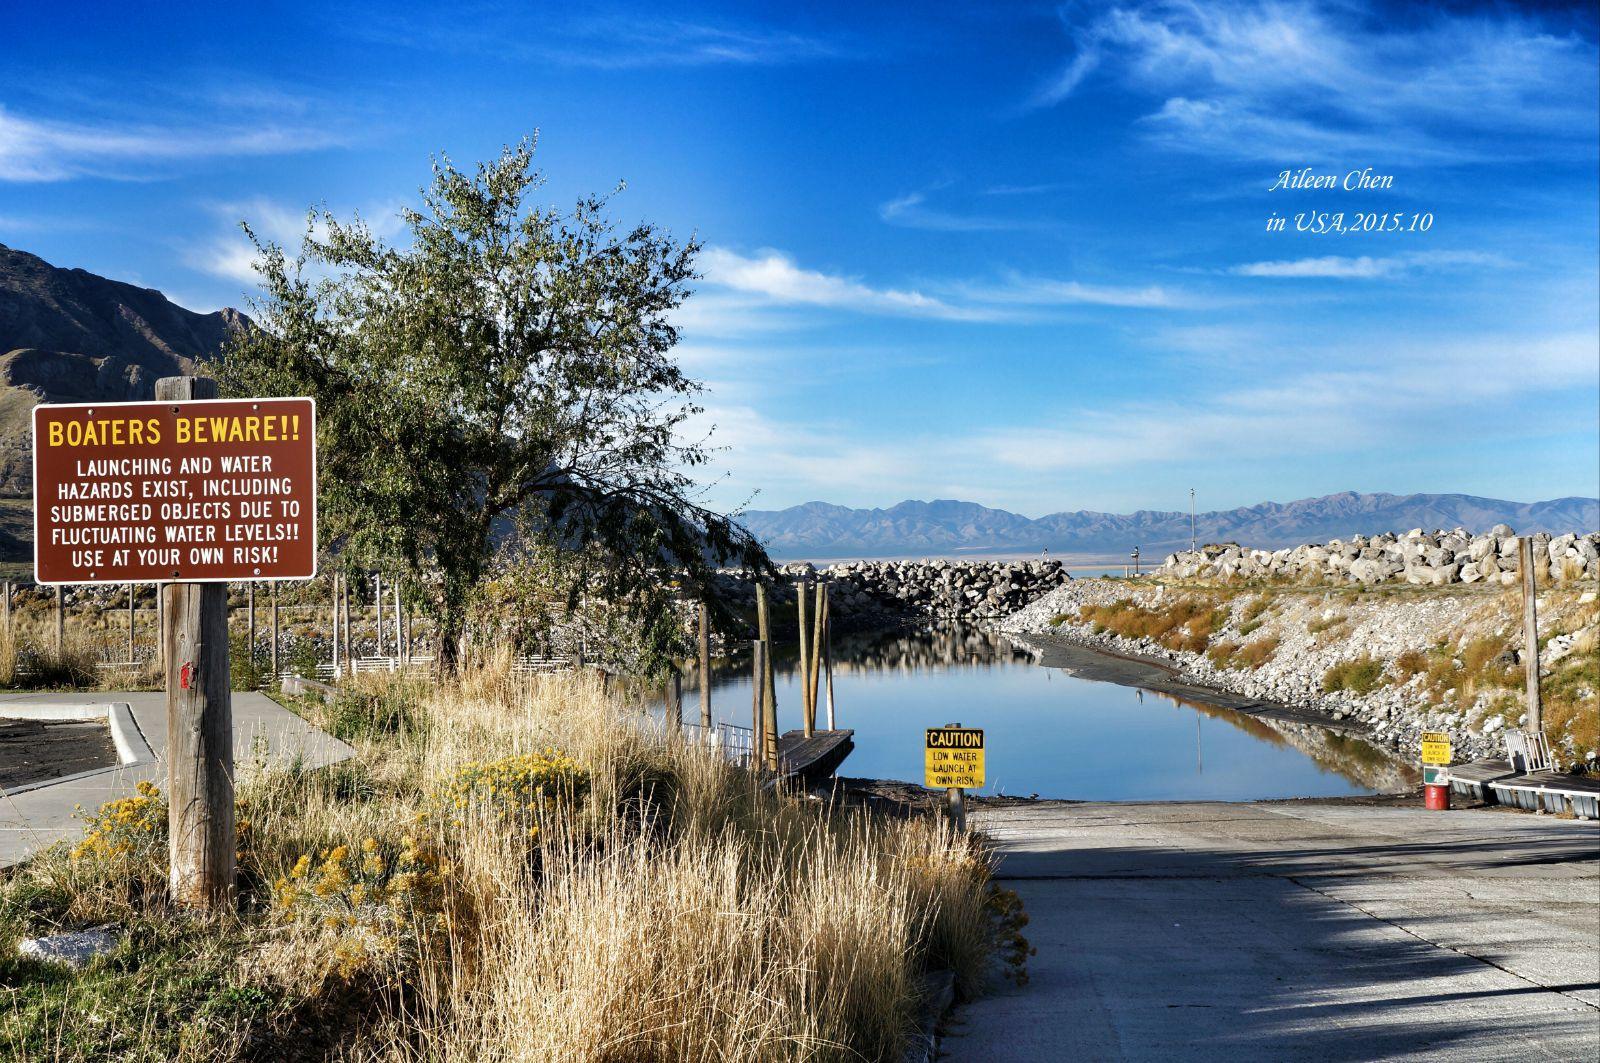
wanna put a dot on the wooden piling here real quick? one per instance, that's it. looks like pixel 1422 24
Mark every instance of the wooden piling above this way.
pixel 61 619
pixel 769 683
pixel 399 628
pixel 130 623
pixel 758 691
pixel 200 814
pixel 705 672
pixel 1530 635
pixel 675 698
pixel 377 596
pixel 827 655
pixel 815 671
pixel 8 609
pixel 807 715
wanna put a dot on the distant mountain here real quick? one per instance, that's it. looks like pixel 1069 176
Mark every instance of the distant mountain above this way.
pixel 818 529
pixel 68 335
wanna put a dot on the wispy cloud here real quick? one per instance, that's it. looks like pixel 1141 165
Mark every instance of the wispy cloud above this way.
pixel 912 211
pixel 601 40
pixel 773 279
pixel 229 254
pixel 1365 267
pixel 1311 78
pixel 775 276
pixel 33 149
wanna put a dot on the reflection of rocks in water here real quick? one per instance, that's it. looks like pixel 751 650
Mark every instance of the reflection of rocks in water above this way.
pixel 1346 755
pixel 933 646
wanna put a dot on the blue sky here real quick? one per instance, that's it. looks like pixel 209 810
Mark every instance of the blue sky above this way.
pixel 1015 254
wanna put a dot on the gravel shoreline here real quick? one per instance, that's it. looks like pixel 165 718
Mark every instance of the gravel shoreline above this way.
pixel 1315 629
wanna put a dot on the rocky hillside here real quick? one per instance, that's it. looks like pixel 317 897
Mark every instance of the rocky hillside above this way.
pixel 820 530
pixel 1398 660
pixel 1416 557
pixel 67 335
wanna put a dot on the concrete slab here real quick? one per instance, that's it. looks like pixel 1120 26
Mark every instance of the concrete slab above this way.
pixel 265 734
pixel 1295 931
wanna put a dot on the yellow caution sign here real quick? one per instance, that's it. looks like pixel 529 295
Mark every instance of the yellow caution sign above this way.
pixel 1435 747
pixel 954 757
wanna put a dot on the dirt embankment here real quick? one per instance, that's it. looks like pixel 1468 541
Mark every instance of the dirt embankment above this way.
pixel 1391 661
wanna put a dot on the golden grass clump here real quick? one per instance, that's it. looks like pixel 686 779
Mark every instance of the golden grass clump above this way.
pixel 400 906
pixel 1186 624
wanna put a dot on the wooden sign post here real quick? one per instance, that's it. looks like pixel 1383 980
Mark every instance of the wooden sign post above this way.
pixel 188 492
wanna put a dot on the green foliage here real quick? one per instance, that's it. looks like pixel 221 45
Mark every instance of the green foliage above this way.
pixel 1360 675
pixel 504 376
pixel 376 705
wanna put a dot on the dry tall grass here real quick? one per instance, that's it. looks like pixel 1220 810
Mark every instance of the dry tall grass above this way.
pixel 677 910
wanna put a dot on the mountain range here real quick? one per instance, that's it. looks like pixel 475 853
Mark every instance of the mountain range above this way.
pixel 947 527
pixel 68 335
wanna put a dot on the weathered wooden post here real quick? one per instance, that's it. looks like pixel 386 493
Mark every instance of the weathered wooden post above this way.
pixel 807 715
pixel 827 655
pixel 275 672
pixel 250 633
pixel 705 672
pixel 956 802
pixel 199 723
pixel 1530 635
pixel 349 648
pixel 8 609
pixel 61 620
pixel 816 652
pixel 130 623
pixel 377 596
pixel 768 682
pixel 335 592
pixel 675 699
pixel 758 697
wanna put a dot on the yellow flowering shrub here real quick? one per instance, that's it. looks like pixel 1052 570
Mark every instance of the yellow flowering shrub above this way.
pixel 129 828
pixel 377 899
pixel 519 789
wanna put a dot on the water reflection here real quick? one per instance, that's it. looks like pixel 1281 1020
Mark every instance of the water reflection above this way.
pixel 1054 734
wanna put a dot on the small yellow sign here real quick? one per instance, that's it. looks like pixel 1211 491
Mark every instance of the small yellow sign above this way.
pixel 954 757
pixel 1435 747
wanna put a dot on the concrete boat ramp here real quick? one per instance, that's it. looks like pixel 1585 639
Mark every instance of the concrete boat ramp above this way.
pixel 37 814
pixel 1302 930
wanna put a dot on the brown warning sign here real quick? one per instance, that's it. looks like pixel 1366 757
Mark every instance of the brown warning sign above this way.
pixel 199 491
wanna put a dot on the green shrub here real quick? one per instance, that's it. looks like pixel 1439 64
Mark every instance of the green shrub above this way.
pixel 1360 675
pixel 375 704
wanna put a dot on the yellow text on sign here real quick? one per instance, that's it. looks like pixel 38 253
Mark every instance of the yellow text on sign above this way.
pixel 1435 747
pixel 953 757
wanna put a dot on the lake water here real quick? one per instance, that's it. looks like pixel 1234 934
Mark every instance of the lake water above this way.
pixel 1052 734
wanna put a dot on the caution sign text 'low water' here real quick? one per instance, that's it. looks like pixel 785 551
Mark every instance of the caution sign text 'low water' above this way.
pixel 199 491
pixel 954 757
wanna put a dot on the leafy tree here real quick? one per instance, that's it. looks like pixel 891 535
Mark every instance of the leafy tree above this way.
pixel 506 372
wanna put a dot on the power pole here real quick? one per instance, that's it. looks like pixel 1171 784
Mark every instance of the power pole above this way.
pixel 199 722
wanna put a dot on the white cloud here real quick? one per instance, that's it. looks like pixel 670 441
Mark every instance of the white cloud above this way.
pixel 911 211
pixel 1365 267
pixel 775 276
pixel 745 287
pixel 1313 78
pixel 231 256
pixel 40 150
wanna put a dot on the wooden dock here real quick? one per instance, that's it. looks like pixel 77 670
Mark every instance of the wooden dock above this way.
pixel 815 759
pixel 1496 781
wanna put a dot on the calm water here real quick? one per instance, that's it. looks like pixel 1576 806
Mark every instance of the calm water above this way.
pixel 1051 734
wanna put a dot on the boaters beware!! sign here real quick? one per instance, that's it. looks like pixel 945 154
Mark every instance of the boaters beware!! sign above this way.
pixel 954 758
pixel 197 491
